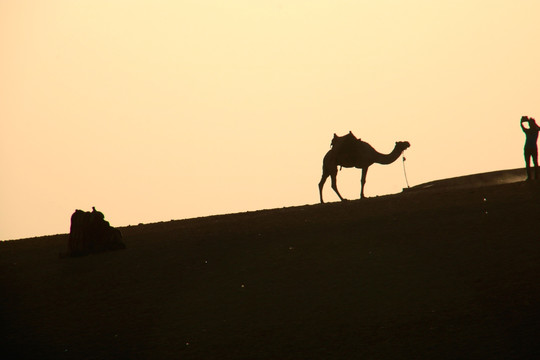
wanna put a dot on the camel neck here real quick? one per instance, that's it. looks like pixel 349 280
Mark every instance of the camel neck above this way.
pixel 386 159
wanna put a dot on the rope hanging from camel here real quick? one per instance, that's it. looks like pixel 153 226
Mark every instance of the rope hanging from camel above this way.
pixel 405 172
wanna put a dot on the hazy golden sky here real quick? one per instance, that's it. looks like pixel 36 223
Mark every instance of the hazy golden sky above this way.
pixel 159 110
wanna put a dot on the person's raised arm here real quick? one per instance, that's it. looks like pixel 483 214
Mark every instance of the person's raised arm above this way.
pixel 523 119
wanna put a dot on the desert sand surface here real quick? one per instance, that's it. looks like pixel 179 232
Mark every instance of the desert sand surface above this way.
pixel 445 270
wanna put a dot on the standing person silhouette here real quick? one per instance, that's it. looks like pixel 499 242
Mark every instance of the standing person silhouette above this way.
pixel 531 149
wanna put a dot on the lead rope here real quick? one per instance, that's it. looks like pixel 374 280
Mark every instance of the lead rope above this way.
pixel 405 172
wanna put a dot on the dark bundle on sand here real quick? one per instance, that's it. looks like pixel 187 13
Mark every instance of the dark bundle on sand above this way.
pixel 91 233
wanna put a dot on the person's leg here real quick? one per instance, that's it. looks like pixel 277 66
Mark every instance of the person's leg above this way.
pixel 535 163
pixel 528 163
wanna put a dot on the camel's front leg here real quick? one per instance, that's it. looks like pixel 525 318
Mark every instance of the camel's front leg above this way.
pixel 363 181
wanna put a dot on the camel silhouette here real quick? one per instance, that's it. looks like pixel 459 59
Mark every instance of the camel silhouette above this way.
pixel 349 151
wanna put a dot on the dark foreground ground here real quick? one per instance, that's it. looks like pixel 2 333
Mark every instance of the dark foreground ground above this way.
pixel 436 272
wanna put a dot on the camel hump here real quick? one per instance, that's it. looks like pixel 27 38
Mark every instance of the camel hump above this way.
pixel 345 143
pixel 345 139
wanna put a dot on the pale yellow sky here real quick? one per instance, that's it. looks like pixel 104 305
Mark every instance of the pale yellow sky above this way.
pixel 159 110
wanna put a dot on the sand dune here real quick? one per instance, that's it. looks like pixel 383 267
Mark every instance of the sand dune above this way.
pixel 441 271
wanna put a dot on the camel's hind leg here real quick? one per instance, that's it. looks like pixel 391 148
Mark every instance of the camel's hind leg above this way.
pixel 321 185
pixel 333 175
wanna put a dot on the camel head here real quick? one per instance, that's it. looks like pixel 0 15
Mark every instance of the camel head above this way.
pixel 402 145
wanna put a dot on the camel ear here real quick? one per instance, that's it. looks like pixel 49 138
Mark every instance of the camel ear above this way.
pixel 335 135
